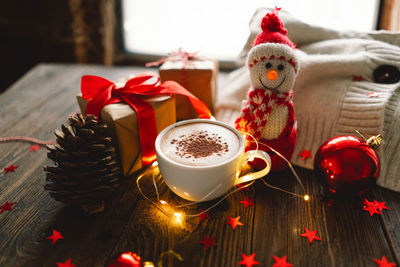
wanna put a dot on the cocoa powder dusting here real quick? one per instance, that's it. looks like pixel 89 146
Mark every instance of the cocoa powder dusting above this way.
pixel 200 144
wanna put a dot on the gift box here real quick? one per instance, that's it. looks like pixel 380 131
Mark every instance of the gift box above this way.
pixel 122 121
pixel 198 76
pixel 135 112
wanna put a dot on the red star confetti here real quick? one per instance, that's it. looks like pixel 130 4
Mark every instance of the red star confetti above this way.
pixel 373 94
pixel 357 78
pixel 234 222
pixel 381 205
pixel 248 202
pixel 203 215
pixel 371 207
pixel 6 206
pixel 368 203
pixel 55 236
pixel 34 147
pixel 372 210
pixel 281 262
pixel 311 235
pixel 66 264
pixel 208 241
pixel 384 263
pixel 248 260
pixel 11 168
pixel 305 154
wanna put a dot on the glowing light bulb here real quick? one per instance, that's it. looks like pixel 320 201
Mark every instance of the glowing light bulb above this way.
pixel 154 164
pixel 163 202
pixel 178 217
pixel 306 197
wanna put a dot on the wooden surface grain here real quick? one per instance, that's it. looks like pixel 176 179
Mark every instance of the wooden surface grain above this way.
pixel 42 100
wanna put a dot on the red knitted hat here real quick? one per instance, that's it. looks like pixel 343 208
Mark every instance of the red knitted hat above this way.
pixel 273 31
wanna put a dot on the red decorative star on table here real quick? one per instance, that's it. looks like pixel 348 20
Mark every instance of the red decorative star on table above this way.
pixel 380 205
pixel 208 241
pixel 203 215
pixel 34 147
pixel 6 206
pixel 234 222
pixel 384 263
pixel 11 168
pixel 373 94
pixel 368 203
pixel 248 260
pixel 66 264
pixel 372 210
pixel 281 262
pixel 357 78
pixel 305 154
pixel 55 236
pixel 371 207
pixel 311 235
pixel 248 202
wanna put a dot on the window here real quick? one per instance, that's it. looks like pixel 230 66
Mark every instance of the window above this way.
pixel 219 28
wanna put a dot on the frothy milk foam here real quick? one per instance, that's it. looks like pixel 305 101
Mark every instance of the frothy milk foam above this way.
pixel 200 144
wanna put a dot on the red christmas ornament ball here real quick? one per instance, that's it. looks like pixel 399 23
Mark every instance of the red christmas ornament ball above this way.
pixel 127 259
pixel 347 165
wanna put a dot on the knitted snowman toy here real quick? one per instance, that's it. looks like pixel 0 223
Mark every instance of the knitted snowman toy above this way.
pixel 267 113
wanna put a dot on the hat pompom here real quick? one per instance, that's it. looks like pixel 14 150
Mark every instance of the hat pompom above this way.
pixel 272 23
pixel 273 31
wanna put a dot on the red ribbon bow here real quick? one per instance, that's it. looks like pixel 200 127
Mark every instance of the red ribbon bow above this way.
pixel 100 92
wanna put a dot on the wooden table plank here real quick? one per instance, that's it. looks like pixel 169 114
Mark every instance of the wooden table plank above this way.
pixel 36 105
pixel 41 100
pixel 348 233
pixel 391 219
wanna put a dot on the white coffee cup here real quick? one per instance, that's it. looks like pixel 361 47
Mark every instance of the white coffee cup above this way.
pixel 204 183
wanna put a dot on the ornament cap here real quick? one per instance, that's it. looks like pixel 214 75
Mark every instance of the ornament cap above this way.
pixel 374 141
pixel 148 264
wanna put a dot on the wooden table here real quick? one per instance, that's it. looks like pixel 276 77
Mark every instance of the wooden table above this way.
pixel 42 100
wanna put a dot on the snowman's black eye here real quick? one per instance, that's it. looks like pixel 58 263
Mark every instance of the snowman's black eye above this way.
pixel 281 67
pixel 268 65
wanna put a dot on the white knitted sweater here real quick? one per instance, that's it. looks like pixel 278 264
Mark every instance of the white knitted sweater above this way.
pixel 330 99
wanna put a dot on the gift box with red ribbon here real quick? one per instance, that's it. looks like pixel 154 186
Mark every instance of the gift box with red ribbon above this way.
pixel 195 73
pixel 135 113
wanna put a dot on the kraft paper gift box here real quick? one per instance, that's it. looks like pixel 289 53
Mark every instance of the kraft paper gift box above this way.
pixel 123 125
pixel 198 76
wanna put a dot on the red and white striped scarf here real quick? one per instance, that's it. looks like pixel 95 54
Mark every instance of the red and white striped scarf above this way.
pixel 257 109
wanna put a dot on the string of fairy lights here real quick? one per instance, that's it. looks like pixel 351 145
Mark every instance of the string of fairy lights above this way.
pixel 174 211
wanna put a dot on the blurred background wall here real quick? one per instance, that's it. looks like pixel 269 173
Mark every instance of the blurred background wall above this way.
pixel 81 31
pixel 54 31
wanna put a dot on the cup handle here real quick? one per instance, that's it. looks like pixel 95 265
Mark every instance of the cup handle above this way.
pixel 255 175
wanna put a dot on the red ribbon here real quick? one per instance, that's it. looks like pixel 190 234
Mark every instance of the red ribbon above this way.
pixel 100 92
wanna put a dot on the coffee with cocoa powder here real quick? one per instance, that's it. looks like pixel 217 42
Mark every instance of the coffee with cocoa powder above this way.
pixel 200 144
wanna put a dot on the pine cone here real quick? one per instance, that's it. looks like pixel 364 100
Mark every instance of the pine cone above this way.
pixel 87 167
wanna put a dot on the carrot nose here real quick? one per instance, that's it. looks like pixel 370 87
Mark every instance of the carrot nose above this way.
pixel 272 75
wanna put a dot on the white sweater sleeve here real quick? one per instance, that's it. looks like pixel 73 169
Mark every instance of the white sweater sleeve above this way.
pixel 331 91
